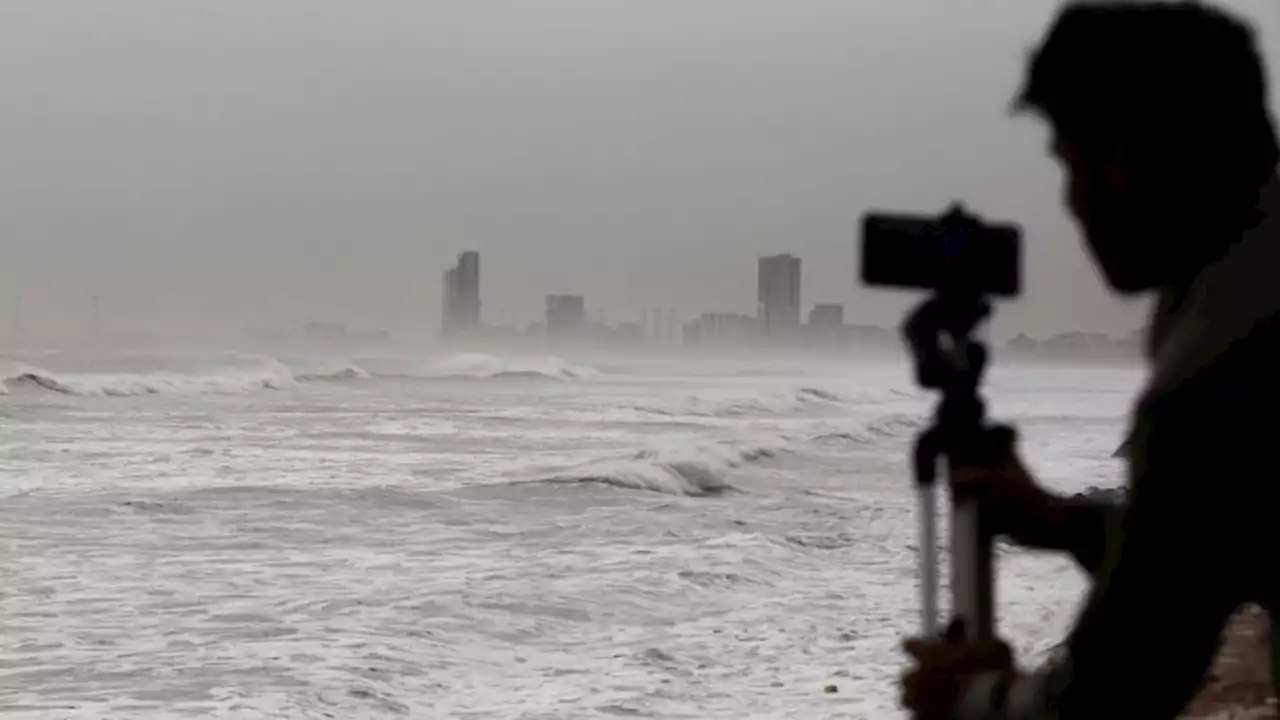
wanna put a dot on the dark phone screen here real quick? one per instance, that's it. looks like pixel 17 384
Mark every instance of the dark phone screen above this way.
pixel 911 252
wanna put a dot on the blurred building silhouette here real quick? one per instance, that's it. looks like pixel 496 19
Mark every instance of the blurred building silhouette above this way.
pixel 461 306
pixel 1079 345
pixel 267 334
pixel 721 329
pixel 826 316
pixel 325 331
pixel 566 315
pixel 778 294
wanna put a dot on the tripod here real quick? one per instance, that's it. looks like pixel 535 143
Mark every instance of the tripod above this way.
pixel 949 360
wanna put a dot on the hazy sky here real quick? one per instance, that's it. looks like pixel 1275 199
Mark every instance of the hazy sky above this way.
pixel 230 163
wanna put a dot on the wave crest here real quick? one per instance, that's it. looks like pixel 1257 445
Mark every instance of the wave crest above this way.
pixel 763 405
pixel 697 471
pixel 274 376
pixel 333 374
pixel 489 367
pixel 887 427
pixel 232 373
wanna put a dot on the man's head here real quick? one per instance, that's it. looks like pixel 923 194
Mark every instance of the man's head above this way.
pixel 1159 114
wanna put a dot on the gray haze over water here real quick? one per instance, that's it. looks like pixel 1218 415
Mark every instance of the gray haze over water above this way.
pixel 206 166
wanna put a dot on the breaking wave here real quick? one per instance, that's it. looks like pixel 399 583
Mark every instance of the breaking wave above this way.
pixel 696 471
pixel 246 374
pixel 333 374
pixel 882 428
pixel 488 367
pixel 816 395
pixel 275 376
pixel 469 366
pixel 761 405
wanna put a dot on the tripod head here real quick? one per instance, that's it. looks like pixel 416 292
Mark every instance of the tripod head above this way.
pixel 948 359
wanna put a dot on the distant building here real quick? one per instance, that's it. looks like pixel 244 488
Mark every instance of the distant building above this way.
pixel 1134 343
pixel 566 315
pixel 720 329
pixel 660 325
pixel 827 315
pixel 1023 343
pixel 630 331
pixel 326 331
pixel 872 335
pixel 1080 345
pixel 461 306
pixel 267 333
pixel 370 336
pixel 778 294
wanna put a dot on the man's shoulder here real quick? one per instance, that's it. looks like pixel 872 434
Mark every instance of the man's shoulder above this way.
pixel 1218 427
pixel 1245 372
pixel 1223 340
pixel 1240 386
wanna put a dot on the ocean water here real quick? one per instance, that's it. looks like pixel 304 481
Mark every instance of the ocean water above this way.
pixel 473 536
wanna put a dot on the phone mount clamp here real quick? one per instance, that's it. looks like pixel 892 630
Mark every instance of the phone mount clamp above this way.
pixel 938 334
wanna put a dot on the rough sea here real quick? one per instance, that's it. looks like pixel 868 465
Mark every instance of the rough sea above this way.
pixel 477 536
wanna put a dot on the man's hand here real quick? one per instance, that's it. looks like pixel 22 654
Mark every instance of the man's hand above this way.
pixel 934 686
pixel 1012 500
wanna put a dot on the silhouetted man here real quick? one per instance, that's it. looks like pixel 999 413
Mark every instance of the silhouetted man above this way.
pixel 1159 117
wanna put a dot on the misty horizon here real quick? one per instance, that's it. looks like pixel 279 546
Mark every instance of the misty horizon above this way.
pixel 204 170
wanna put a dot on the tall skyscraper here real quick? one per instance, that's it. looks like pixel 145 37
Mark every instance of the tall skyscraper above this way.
pixel 461 306
pixel 779 294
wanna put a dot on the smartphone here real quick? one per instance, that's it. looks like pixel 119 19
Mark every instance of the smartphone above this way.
pixel 953 251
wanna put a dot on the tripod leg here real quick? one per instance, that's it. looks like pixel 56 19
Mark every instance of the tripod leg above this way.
pixel 925 457
pixel 972 590
pixel 928 559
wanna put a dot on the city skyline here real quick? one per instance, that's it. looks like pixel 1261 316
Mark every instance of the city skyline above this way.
pixel 567 317
pixel 778 313
pixel 779 317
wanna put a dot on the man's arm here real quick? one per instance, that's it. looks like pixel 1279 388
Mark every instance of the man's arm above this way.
pixel 1079 525
pixel 1166 585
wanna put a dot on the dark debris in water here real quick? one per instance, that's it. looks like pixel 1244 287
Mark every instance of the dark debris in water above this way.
pixel 658 655
pixel 620 710
pixel 708 579
pixel 834 541
pixel 157 508
pixel 373 697
pixel 816 394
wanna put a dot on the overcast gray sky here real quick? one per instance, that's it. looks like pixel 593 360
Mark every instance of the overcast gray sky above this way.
pixel 230 163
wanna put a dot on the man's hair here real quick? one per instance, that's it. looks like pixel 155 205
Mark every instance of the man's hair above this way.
pixel 1179 82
